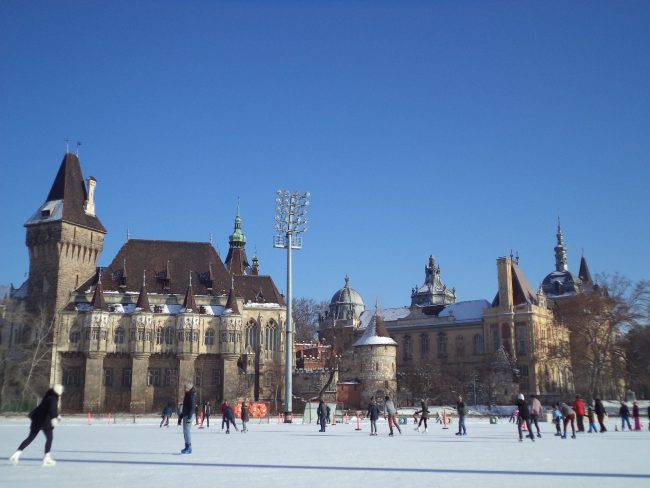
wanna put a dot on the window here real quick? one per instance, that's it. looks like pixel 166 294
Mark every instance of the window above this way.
pixel 119 336
pixel 108 376
pixel 251 335
pixel 460 345
pixel 198 377
pixel 159 335
pixel 520 334
pixel 209 337
pixel 74 336
pixel 171 377
pixel 424 345
pixel 153 378
pixel 141 334
pixel 496 341
pixel 72 377
pixel 271 336
pixel 169 335
pixel 216 377
pixel 126 377
pixel 442 344
pixel 94 333
pixel 408 347
pixel 478 344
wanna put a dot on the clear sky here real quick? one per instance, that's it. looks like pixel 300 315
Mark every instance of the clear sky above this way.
pixel 454 128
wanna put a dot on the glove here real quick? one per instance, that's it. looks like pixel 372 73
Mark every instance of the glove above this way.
pixel 55 422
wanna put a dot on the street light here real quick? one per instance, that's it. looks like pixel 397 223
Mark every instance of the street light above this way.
pixel 290 222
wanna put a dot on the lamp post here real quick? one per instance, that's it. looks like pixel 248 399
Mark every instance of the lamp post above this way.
pixel 290 222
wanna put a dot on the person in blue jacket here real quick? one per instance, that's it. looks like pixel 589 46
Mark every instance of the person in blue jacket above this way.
pixel 321 411
pixel 373 415
pixel 166 413
pixel 229 415
pixel 187 412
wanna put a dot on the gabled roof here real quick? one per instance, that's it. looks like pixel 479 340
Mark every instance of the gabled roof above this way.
pixel 66 198
pixel 522 292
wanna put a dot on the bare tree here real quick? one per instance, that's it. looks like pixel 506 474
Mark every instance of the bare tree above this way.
pixel 305 318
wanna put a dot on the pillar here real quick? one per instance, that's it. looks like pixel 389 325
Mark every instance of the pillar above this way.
pixel 94 382
pixel 230 377
pixel 139 373
pixel 186 372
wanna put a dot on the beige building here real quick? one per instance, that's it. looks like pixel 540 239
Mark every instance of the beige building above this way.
pixel 127 337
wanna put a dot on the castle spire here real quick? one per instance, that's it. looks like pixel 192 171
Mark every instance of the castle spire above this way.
pixel 143 298
pixel 98 303
pixel 561 262
pixel 232 300
pixel 189 304
pixel 236 261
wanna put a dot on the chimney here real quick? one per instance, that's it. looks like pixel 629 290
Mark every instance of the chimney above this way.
pixel 504 270
pixel 89 205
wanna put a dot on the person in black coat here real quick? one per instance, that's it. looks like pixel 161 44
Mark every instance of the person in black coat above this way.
pixel 44 417
pixel 373 415
pixel 187 412
pixel 229 415
pixel 321 411
pixel 599 409
pixel 524 416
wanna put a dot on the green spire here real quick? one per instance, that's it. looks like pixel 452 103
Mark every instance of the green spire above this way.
pixel 237 235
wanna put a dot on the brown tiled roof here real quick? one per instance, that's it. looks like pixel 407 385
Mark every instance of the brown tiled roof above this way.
pixel 189 302
pixel 143 299
pixel 236 260
pixel 173 261
pixel 70 187
pixel 584 273
pixel 98 302
pixel 232 302
pixel 521 290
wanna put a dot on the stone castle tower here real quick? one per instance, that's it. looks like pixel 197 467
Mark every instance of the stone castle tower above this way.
pixel 64 239
pixel 375 356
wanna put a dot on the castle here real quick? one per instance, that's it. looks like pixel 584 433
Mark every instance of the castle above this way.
pixel 127 337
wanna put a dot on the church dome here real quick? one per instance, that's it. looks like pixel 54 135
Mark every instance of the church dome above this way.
pixel 346 303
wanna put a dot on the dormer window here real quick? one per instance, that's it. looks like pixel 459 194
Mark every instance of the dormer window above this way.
pixel 45 213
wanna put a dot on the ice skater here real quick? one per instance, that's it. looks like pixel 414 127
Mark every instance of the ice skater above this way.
pixel 424 416
pixel 187 412
pixel 166 413
pixel 535 413
pixel 373 415
pixel 624 412
pixel 245 415
pixel 229 415
pixel 461 408
pixel 207 411
pixel 524 416
pixel 321 412
pixel 590 417
pixel 600 414
pixel 389 412
pixel 43 418
pixel 569 416
pixel 579 409
pixel 557 419
pixel 635 416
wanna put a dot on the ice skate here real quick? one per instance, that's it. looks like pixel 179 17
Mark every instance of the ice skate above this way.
pixel 573 436
pixel 15 457
pixel 539 436
pixel 48 461
pixel 417 429
pixel 425 431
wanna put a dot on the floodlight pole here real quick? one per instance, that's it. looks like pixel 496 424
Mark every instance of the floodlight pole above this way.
pixel 290 219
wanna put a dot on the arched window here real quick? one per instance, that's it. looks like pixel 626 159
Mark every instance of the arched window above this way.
pixel 250 337
pixel 424 345
pixel 74 335
pixel 442 344
pixel 169 335
pixel 209 337
pixel 460 345
pixel 478 344
pixel 119 336
pixel 159 335
pixel 408 347
pixel 271 336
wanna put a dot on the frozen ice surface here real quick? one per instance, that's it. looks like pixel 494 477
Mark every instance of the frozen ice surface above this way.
pixel 125 454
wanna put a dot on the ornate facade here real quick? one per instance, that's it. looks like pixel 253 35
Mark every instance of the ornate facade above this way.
pixel 127 337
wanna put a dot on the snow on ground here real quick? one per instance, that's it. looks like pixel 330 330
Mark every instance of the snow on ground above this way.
pixel 128 454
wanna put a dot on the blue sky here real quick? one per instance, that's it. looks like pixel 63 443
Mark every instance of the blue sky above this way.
pixel 454 128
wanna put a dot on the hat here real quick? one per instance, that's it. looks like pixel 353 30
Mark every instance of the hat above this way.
pixel 520 396
pixel 189 385
pixel 58 389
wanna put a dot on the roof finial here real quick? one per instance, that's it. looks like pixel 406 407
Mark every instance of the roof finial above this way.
pixel 128 234
pixel 210 237
pixel 77 148
pixel 144 277
pixel 232 282
pixel 99 275
pixel 67 148
pixel 190 277
pixel 347 280
pixel 376 306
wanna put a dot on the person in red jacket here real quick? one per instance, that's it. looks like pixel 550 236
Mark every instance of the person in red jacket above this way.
pixel 579 409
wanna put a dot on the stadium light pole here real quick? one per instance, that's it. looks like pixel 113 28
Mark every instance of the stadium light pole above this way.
pixel 290 222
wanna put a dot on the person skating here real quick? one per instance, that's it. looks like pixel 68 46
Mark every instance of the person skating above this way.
pixel 569 416
pixel 635 416
pixel 524 416
pixel 245 415
pixel 166 413
pixel 229 415
pixel 461 409
pixel 624 412
pixel 535 413
pixel 373 415
pixel 43 418
pixel 579 409
pixel 197 413
pixel 222 408
pixel 389 412
pixel 207 411
pixel 424 416
pixel 321 412
pixel 557 419
pixel 185 417
pixel 328 414
pixel 592 422
pixel 600 414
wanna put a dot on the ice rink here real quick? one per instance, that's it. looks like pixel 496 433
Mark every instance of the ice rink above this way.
pixel 127 454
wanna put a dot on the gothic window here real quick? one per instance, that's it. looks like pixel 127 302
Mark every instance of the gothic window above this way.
pixel 524 383
pixel 198 377
pixel 188 336
pixel 271 336
pixel 169 335
pixel 460 345
pixel 424 345
pixel 216 377
pixel 159 336
pixel 251 335
pixel 126 377
pixel 119 336
pixel 95 334
pixel 141 335
pixel 209 337
pixel 171 377
pixel 74 336
pixel 520 334
pixel 72 377
pixel 478 344
pixel 442 344
pixel 108 376
pixel 408 347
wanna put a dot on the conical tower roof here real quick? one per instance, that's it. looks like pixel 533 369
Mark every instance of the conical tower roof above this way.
pixel 375 334
pixel 98 303
pixel 232 300
pixel 189 304
pixel 143 298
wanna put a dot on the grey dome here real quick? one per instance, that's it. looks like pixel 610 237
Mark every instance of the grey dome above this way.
pixel 346 303
pixel 560 283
